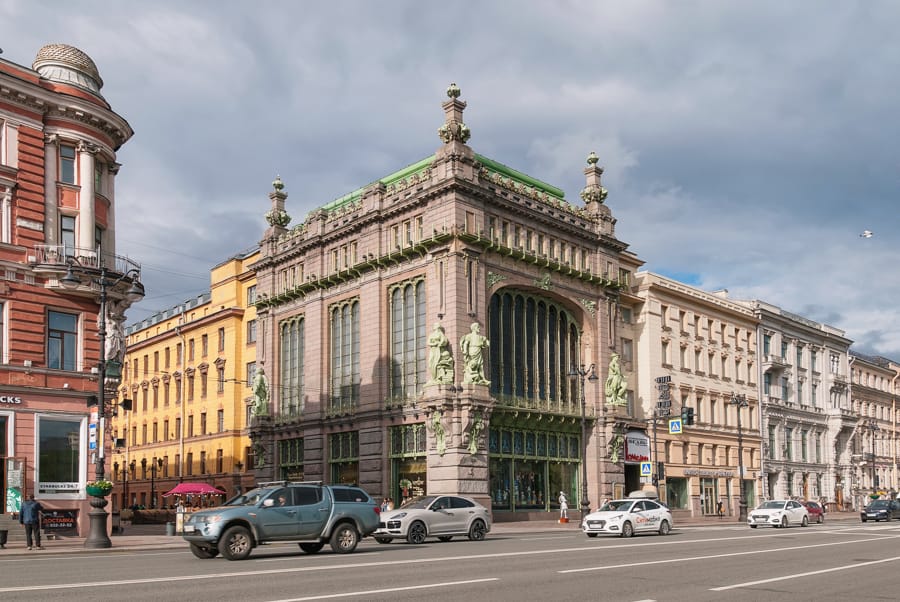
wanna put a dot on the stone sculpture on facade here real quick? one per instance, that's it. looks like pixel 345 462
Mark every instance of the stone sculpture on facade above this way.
pixel 616 387
pixel 440 361
pixel 474 433
pixel 473 346
pixel 260 394
pixel 437 427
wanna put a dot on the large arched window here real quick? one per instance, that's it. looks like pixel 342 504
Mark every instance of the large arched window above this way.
pixel 292 352
pixel 534 343
pixel 409 346
pixel 344 357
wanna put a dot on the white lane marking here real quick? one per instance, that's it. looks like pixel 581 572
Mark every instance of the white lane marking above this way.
pixel 798 575
pixel 387 590
pixel 554 552
pixel 294 557
pixel 692 558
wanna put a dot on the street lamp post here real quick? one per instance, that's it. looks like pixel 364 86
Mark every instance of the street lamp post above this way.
pixel 105 280
pixel 741 402
pixel 155 465
pixel 581 373
pixel 872 427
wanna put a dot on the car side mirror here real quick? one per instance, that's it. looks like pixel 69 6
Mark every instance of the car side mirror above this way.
pixel 268 503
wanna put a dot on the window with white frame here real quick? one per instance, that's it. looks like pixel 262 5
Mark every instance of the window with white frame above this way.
pixel 59 454
pixel 62 340
pixel 67 163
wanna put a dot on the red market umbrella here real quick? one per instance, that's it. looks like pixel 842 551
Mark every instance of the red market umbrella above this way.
pixel 193 489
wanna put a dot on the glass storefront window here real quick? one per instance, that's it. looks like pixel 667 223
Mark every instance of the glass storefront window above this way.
pixel 59 459
pixel 410 481
pixel 677 493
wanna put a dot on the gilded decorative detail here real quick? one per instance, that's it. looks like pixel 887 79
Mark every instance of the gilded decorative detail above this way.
pixel 493 278
pixel 454 130
pixel 589 305
pixel 544 283
pixel 278 217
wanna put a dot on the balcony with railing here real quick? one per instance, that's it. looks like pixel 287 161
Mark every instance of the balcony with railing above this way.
pixel 57 258
pixel 774 363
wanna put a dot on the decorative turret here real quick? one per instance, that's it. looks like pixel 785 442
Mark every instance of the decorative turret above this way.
pixel 277 217
pixel 593 195
pixel 454 129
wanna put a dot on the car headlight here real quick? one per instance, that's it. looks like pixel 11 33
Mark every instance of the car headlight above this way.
pixel 397 516
pixel 209 519
pixel 616 517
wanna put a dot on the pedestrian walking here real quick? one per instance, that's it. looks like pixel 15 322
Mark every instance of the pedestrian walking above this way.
pixel 30 516
pixel 563 506
pixel 720 509
pixel 3 535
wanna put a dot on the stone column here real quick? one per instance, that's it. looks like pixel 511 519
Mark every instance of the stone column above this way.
pixel 86 215
pixel 51 195
pixel 458 419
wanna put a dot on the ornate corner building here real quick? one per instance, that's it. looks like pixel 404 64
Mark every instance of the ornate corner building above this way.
pixel 419 334
pixel 58 143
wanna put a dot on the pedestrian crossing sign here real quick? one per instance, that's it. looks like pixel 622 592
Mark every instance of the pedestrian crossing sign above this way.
pixel 646 469
pixel 675 426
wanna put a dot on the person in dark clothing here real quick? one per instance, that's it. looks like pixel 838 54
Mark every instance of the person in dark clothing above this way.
pixel 30 516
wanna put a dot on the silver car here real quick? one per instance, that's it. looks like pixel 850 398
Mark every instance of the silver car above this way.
pixel 441 516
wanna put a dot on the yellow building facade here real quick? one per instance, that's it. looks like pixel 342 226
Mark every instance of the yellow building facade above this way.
pixel 185 393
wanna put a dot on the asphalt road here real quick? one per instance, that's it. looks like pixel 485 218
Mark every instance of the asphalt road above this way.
pixel 822 562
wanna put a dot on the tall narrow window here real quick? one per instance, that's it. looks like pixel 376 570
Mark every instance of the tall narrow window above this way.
pixel 345 374
pixel 408 340
pixel 67 164
pixel 292 359
pixel 62 340
pixel 67 234
pixel 251 332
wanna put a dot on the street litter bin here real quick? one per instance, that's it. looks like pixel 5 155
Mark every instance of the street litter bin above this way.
pixel 170 528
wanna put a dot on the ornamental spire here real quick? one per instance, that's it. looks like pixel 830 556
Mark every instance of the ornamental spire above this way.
pixel 593 193
pixel 277 217
pixel 454 129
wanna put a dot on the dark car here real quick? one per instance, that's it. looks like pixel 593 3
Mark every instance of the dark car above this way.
pixel 881 510
pixel 816 512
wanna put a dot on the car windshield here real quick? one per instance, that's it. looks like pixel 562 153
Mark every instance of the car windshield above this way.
pixel 879 504
pixel 616 505
pixel 774 505
pixel 418 503
pixel 251 498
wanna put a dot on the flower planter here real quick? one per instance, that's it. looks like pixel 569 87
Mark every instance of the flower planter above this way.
pixel 98 491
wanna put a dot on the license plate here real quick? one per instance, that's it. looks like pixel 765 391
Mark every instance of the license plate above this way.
pixel 189 528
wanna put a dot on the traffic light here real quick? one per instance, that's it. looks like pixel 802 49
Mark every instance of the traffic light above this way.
pixel 687 415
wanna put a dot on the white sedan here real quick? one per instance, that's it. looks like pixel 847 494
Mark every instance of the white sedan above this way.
pixel 627 517
pixel 441 516
pixel 779 513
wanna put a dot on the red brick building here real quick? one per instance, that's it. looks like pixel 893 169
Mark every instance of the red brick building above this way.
pixel 58 144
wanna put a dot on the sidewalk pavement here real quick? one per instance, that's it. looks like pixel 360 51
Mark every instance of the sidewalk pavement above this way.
pixel 147 537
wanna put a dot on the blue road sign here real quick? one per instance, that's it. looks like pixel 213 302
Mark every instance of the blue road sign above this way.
pixel 675 426
pixel 646 469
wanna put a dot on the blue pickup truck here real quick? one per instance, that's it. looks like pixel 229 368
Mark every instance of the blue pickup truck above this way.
pixel 309 513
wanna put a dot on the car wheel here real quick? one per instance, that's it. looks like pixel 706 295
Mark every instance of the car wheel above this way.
pixel 445 537
pixel 664 528
pixel 477 531
pixel 627 529
pixel 236 543
pixel 804 522
pixel 312 548
pixel 416 533
pixel 591 534
pixel 344 538
pixel 753 526
pixel 864 520
pixel 821 519
pixel 384 539
pixel 784 522
pixel 204 552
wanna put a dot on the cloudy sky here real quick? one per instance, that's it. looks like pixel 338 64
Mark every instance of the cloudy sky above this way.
pixel 746 144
